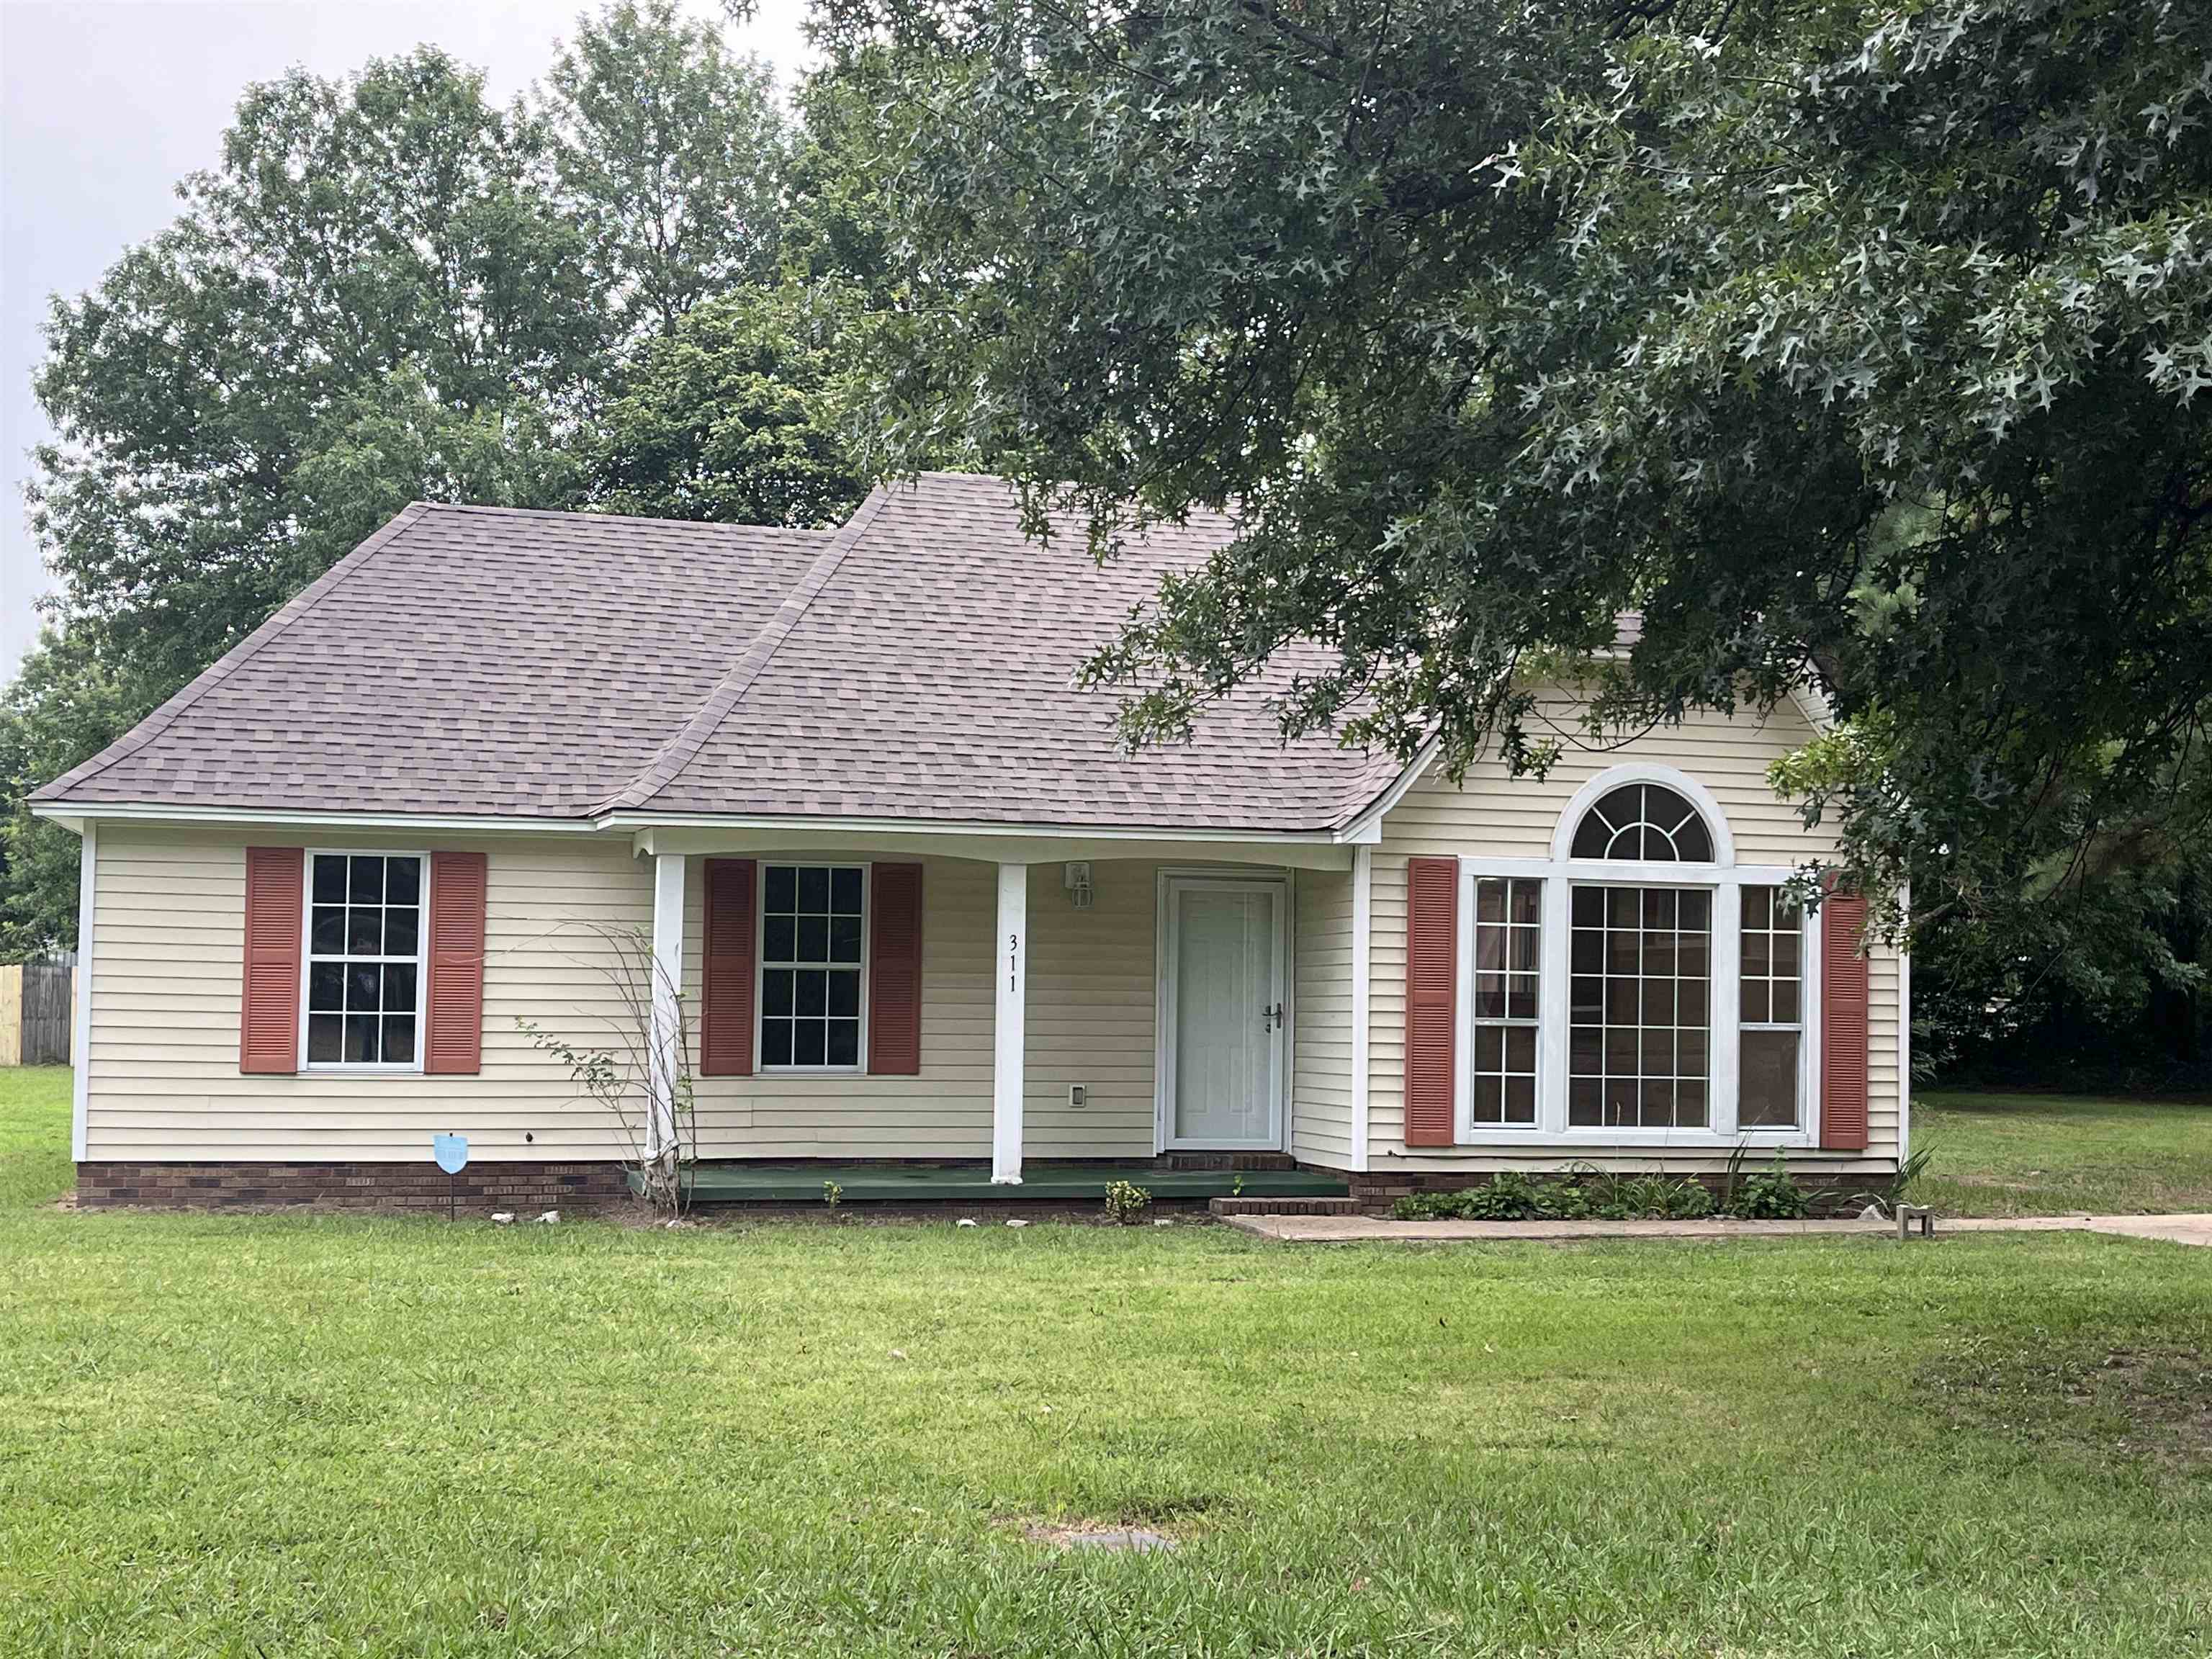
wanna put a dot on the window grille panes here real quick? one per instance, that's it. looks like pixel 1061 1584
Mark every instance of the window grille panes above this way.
pixel 364 958
pixel 1643 820
pixel 1772 1009
pixel 811 965
pixel 1638 1037
pixel 1508 937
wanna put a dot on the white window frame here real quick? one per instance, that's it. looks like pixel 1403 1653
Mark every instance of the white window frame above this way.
pixel 362 1068
pixel 867 870
pixel 1470 1128
pixel 1559 874
pixel 1807 1084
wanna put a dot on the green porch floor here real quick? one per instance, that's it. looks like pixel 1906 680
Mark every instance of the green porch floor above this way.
pixel 1042 1183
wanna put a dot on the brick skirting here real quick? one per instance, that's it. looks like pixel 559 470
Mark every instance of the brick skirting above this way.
pixel 526 1188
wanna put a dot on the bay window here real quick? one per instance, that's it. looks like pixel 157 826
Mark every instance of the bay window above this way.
pixel 1638 985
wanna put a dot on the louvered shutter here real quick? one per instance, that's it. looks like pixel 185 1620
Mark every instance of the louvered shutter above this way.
pixel 895 970
pixel 453 1041
pixel 1431 1001
pixel 1842 1023
pixel 726 971
pixel 269 1011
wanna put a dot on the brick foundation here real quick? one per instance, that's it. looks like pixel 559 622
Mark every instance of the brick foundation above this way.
pixel 526 1188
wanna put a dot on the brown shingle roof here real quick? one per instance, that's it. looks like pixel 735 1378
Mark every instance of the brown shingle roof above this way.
pixel 917 664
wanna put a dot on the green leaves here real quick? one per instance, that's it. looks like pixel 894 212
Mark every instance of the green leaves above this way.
pixel 732 418
pixel 1850 343
pixel 391 288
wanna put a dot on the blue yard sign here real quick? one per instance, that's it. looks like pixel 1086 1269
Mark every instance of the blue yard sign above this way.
pixel 451 1152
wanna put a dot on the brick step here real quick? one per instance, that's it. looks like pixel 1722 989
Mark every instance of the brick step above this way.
pixel 1284 1206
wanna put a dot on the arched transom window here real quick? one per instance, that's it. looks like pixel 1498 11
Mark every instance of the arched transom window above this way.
pixel 1647 822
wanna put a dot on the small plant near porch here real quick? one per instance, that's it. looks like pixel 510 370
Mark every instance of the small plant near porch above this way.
pixel 643 1079
pixel 1126 1201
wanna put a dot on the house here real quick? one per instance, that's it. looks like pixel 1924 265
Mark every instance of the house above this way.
pixel 920 905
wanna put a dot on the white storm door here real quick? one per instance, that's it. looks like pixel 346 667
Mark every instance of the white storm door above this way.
pixel 1226 1011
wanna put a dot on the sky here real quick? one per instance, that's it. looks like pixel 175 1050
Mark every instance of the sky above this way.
pixel 106 104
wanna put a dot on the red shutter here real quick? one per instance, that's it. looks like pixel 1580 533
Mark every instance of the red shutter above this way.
pixel 269 1011
pixel 1842 1023
pixel 455 1040
pixel 895 970
pixel 1431 986
pixel 725 972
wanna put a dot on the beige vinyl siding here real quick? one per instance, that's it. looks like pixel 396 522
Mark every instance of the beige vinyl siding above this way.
pixel 1321 1096
pixel 1492 815
pixel 1089 1021
pixel 1093 1006
pixel 167 965
pixel 164 1082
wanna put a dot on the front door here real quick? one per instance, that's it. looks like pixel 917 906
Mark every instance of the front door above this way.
pixel 1225 1006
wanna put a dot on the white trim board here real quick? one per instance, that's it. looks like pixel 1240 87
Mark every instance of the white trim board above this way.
pixel 81 1014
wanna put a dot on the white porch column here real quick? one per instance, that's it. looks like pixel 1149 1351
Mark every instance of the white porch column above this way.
pixel 666 1065
pixel 1012 945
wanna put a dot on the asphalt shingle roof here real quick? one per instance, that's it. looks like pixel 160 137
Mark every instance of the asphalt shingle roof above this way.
pixel 918 664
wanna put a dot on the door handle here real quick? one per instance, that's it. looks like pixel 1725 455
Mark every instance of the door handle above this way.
pixel 1271 1017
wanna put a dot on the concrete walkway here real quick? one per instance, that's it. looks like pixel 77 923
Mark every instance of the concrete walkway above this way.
pixel 1348 1229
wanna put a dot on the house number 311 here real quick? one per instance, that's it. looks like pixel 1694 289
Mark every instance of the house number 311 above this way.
pixel 1013 958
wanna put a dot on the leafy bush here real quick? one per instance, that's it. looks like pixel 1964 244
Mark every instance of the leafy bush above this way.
pixel 1772 1196
pixel 1589 1195
pixel 1125 1200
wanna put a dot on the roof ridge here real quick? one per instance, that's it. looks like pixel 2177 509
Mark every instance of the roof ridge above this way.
pixel 276 622
pixel 684 747
pixel 591 515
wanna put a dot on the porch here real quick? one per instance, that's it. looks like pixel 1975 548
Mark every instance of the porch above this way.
pixel 1066 1010
pixel 1043 1182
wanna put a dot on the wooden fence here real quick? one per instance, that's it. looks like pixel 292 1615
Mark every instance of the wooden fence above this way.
pixel 37 1005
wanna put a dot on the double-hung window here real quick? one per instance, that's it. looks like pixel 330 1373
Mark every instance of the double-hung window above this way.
pixel 365 978
pixel 1772 1010
pixel 812 919
pixel 1508 931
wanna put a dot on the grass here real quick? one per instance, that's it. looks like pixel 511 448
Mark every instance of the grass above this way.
pixel 309 1436
pixel 2000 1154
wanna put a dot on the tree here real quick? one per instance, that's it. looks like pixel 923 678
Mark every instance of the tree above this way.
pixel 732 418
pixel 388 289
pixel 63 705
pixel 249 393
pixel 671 154
pixel 1855 342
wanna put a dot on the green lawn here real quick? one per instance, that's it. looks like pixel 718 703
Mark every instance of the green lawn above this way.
pixel 1994 1154
pixel 286 1437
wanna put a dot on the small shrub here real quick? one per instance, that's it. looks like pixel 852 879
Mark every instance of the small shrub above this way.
pixel 1126 1201
pixel 1772 1196
pixel 832 1193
